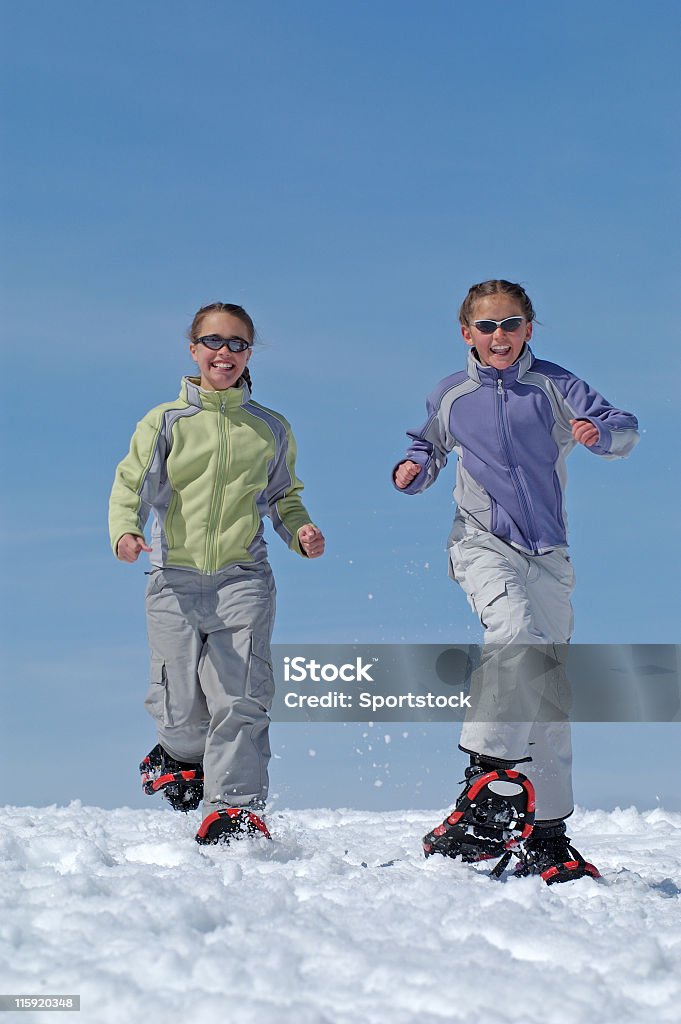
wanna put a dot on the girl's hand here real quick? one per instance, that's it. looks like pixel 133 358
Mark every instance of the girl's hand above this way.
pixel 405 473
pixel 129 547
pixel 584 432
pixel 311 540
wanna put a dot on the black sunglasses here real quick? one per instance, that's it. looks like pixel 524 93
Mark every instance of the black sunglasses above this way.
pixel 510 324
pixel 215 342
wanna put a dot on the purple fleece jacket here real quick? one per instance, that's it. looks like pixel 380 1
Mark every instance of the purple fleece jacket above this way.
pixel 511 431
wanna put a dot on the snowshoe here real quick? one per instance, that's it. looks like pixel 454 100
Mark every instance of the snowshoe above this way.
pixel 180 781
pixel 230 823
pixel 548 853
pixel 492 815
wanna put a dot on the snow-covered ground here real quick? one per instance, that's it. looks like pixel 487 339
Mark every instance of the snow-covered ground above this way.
pixel 340 920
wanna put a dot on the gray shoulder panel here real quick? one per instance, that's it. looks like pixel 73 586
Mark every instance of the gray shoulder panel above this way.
pixel 447 401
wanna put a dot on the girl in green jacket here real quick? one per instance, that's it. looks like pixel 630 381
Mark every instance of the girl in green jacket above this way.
pixel 208 467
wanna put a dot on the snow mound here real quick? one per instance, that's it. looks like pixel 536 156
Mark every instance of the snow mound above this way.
pixel 339 920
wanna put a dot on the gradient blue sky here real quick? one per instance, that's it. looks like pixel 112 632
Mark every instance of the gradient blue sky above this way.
pixel 346 171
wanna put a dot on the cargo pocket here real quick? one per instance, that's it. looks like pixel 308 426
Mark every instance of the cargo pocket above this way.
pixel 490 603
pixel 156 701
pixel 260 676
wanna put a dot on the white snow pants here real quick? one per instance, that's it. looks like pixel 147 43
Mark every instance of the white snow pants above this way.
pixel 211 676
pixel 520 693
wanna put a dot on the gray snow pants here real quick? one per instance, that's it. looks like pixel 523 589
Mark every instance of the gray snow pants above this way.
pixel 211 683
pixel 520 693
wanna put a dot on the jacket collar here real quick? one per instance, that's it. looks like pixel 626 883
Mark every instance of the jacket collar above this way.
pixel 489 375
pixel 192 393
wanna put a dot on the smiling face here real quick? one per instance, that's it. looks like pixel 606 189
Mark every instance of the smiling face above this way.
pixel 221 369
pixel 502 348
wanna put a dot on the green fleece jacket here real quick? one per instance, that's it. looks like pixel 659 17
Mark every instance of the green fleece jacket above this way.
pixel 210 466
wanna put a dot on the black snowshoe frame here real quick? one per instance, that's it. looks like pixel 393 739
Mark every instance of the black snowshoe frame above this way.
pixel 550 855
pixel 180 783
pixel 493 814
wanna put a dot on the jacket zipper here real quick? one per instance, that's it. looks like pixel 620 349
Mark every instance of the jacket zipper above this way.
pixel 515 476
pixel 216 502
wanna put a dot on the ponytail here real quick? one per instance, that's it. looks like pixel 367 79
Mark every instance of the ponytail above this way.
pixel 246 379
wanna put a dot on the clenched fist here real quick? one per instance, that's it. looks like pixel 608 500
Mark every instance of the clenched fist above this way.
pixel 405 473
pixel 311 540
pixel 584 432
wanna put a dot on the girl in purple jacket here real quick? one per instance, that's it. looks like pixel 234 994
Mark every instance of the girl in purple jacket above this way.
pixel 512 420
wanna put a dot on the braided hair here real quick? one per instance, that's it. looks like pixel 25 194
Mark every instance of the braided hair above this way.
pixel 495 287
pixel 245 378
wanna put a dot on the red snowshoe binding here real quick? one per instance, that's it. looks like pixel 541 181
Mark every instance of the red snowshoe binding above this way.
pixel 492 815
pixel 181 782
pixel 548 853
pixel 230 823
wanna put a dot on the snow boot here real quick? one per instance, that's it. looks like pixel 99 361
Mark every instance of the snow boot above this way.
pixel 548 853
pixel 230 823
pixel 180 781
pixel 492 815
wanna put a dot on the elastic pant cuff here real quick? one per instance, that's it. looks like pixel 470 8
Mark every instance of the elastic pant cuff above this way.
pixel 486 761
pixel 551 823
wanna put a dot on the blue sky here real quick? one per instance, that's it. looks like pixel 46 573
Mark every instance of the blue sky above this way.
pixel 345 171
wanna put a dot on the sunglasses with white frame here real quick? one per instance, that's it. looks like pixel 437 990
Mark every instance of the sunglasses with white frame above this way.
pixel 508 324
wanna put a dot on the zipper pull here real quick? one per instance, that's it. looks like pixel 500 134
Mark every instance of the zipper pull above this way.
pixel 222 406
pixel 500 387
